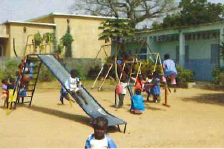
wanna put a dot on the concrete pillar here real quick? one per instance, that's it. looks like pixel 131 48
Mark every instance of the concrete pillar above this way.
pixel 181 49
pixel 220 42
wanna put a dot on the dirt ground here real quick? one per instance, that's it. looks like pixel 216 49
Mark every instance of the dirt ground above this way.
pixel 195 118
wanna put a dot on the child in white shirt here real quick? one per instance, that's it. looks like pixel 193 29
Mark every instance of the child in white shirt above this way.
pixel 99 139
pixel 73 85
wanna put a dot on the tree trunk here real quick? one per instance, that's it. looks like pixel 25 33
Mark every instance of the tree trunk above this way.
pixel 115 61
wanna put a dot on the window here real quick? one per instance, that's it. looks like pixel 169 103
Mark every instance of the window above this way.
pixel 215 54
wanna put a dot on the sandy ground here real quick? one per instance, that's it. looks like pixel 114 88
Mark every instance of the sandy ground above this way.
pixel 195 119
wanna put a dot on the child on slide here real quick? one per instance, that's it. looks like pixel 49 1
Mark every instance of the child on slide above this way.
pixel 73 85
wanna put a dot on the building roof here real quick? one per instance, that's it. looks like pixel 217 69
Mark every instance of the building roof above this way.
pixel 29 23
pixel 179 28
pixel 72 15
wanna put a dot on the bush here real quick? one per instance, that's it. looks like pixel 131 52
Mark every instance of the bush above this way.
pixel 93 72
pixel 45 75
pixel 80 72
pixel 10 69
pixel 184 75
pixel 218 75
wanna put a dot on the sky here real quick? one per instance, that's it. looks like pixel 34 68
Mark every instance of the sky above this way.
pixel 22 10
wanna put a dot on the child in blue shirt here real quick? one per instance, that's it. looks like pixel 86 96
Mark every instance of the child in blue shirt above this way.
pixel 99 139
pixel 155 89
pixel 137 102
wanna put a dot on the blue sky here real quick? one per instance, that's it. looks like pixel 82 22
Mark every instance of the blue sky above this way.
pixel 21 10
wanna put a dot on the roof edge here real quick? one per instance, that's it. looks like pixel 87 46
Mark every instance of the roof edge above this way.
pixel 70 15
pixel 177 28
pixel 29 23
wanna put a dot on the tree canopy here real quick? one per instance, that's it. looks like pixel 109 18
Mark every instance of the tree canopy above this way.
pixel 193 12
pixel 136 10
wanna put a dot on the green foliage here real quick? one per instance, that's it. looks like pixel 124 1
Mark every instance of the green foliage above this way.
pixel 38 39
pixel 218 75
pixel 67 40
pixel 193 12
pixel 2 74
pixel 81 74
pixel 60 48
pixel 184 75
pixel 93 72
pixel 115 29
pixel 11 67
pixel 45 75
pixel 48 37
pixel 148 67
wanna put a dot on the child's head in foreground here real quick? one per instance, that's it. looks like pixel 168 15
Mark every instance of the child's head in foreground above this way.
pixel 100 125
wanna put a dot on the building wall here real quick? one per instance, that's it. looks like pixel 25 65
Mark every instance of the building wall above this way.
pixel 199 55
pixel 200 58
pixel 17 32
pixel 85 33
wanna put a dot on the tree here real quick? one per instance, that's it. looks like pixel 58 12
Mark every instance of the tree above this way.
pixel 136 10
pixel 66 41
pixel 193 12
pixel 115 29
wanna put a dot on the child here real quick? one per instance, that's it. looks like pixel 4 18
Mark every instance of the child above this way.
pixel 4 92
pixel 170 69
pixel 22 92
pixel 72 84
pixel 137 102
pixel 122 94
pixel 99 139
pixel 148 86
pixel 11 84
pixel 155 89
pixel 10 88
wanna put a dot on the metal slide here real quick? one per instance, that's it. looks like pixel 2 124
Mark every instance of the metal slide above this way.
pixel 93 108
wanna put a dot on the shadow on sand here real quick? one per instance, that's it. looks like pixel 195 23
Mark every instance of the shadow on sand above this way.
pixel 215 98
pixel 77 118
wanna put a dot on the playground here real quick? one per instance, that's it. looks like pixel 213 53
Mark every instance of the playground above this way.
pixel 194 119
